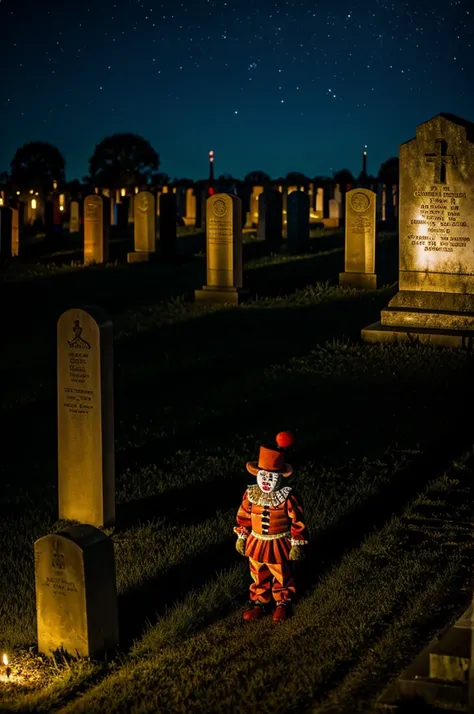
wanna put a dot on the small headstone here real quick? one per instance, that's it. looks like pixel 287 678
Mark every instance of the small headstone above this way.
pixel 96 230
pixel 145 228
pixel 223 250
pixel 190 207
pixel 167 223
pixel 270 218
pixel 74 223
pixel 86 448
pixel 76 594
pixel 435 302
pixel 298 221
pixel 15 232
pixel 360 240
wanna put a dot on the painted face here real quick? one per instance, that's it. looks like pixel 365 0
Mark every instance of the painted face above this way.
pixel 268 481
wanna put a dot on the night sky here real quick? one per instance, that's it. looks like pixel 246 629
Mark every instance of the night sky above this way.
pixel 278 86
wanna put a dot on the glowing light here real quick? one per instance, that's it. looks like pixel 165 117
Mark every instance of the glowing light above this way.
pixel 31 191
pixel 17 193
pixel 33 204
pixel 61 208
pixel 123 192
pixel 1 201
pixel 55 185
pixel 211 156
pixel 5 660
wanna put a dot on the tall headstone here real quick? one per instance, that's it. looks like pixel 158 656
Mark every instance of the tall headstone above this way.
pixel 145 228
pixel 74 223
pixel 6 230
pixel 15 232
pixel 96 230
pixel 76 594
pixel 86 448
pixel 359 255
pixel 270 219
pixel 190 207
pixel 435 302
pixel 298 221
pixel 167 223
pixel 223 250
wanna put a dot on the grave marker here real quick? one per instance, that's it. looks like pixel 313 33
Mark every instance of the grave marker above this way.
pixel 167 223
pixel 86 448
pixel 223 250
pixel 74 223
pixel 96 230
pixel 298 221
pixel 359 254
pixel 435 302
pixel 270 218
pixel 145 228
pixel 76 597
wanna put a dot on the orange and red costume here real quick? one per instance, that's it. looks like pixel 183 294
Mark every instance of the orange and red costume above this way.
pixel 273 529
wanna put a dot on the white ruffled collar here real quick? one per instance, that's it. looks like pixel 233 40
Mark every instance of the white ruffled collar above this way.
pixel 275 498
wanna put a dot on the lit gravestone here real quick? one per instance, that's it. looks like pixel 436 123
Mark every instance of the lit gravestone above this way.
pixel 145 227
pixel 167 225
pixel 74 223
pixel 359 256
pixel 223 250
pixel 86 455
pixel 96 230
pixel 298 221
pixel 76 596
pixel 190 207
pixel 270 219
pixel 435 302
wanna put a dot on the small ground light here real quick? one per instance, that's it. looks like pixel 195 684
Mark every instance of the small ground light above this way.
pixel 5 666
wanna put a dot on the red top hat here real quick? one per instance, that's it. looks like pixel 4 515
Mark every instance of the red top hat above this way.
pixel 271 459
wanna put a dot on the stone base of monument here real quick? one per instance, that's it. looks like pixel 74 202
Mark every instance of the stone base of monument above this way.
pixel 330 222
pixel 441 319
pixel 140 257
pixel 439 675
pixel 231 296
pixel 359 281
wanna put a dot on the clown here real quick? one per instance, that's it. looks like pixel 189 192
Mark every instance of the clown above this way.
pixel 271 531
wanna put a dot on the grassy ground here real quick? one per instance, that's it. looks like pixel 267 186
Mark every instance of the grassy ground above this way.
pixel 197 390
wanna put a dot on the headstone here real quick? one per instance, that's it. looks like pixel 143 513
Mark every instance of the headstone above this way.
pixel 86 451
pixel 190 207
pixel 74 224
pixel 6 230
pixel 76 595
pixel 270 219
pixel 223 250
pixel 15 232
pixel 145 228
pixel 254 203
pixel 167 223
pixel 298 222
pixel 435 302
pixel 96 230
pixel 359 255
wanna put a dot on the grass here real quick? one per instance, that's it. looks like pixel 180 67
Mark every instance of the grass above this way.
pixel 197 389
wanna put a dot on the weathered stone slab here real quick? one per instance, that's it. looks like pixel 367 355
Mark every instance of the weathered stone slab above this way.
pixel 74 221
pixel 144 227
pixel 298 221
pixel 96 230
pixel 86 447
pixel 359 256
pixel 76 597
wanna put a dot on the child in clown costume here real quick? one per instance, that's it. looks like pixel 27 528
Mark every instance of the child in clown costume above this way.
pixel 271 531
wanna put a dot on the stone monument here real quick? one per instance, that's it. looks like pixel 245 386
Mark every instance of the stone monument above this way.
pixel 5 233
pixel 223 250
pixel 359 255
pixel 298 221
pixel 86 448
pixel 270 218
pixel 96 230
pixel 435 302
pixel 74 223
pixel 167 225
pixel 145 227
pixel 76 596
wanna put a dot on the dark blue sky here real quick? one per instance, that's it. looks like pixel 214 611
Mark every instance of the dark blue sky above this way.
pixel 279 86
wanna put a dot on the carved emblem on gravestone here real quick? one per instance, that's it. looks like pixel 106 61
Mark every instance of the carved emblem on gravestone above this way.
pixel 78 342
pixel 143 203
pixel 92 210
pixel 440 159
pixel 219 208
pixel 57 561
pixel 360 202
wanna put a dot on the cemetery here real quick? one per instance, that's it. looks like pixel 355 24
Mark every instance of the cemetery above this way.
pixel 154 337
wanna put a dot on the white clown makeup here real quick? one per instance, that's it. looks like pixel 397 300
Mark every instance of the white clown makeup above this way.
pixel 269 481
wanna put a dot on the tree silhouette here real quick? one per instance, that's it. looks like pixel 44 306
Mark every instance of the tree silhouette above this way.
pixel 36 166
pixel 123 161
pixel 257 178
pixel 295 178
pixel 389 171
pixel 343 178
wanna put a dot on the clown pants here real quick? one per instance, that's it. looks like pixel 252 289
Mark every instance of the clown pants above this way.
pixel 271 579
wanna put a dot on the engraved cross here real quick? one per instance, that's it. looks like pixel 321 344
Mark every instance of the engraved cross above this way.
pixel 440 159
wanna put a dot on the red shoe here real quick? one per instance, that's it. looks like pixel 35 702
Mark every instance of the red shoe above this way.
pixel 281 613
pixel 256 612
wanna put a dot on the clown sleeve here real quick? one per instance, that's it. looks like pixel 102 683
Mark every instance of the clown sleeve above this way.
pixel 244 519
pixel 299 533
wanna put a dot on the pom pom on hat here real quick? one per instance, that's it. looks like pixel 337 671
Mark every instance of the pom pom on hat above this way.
pixel 284 439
